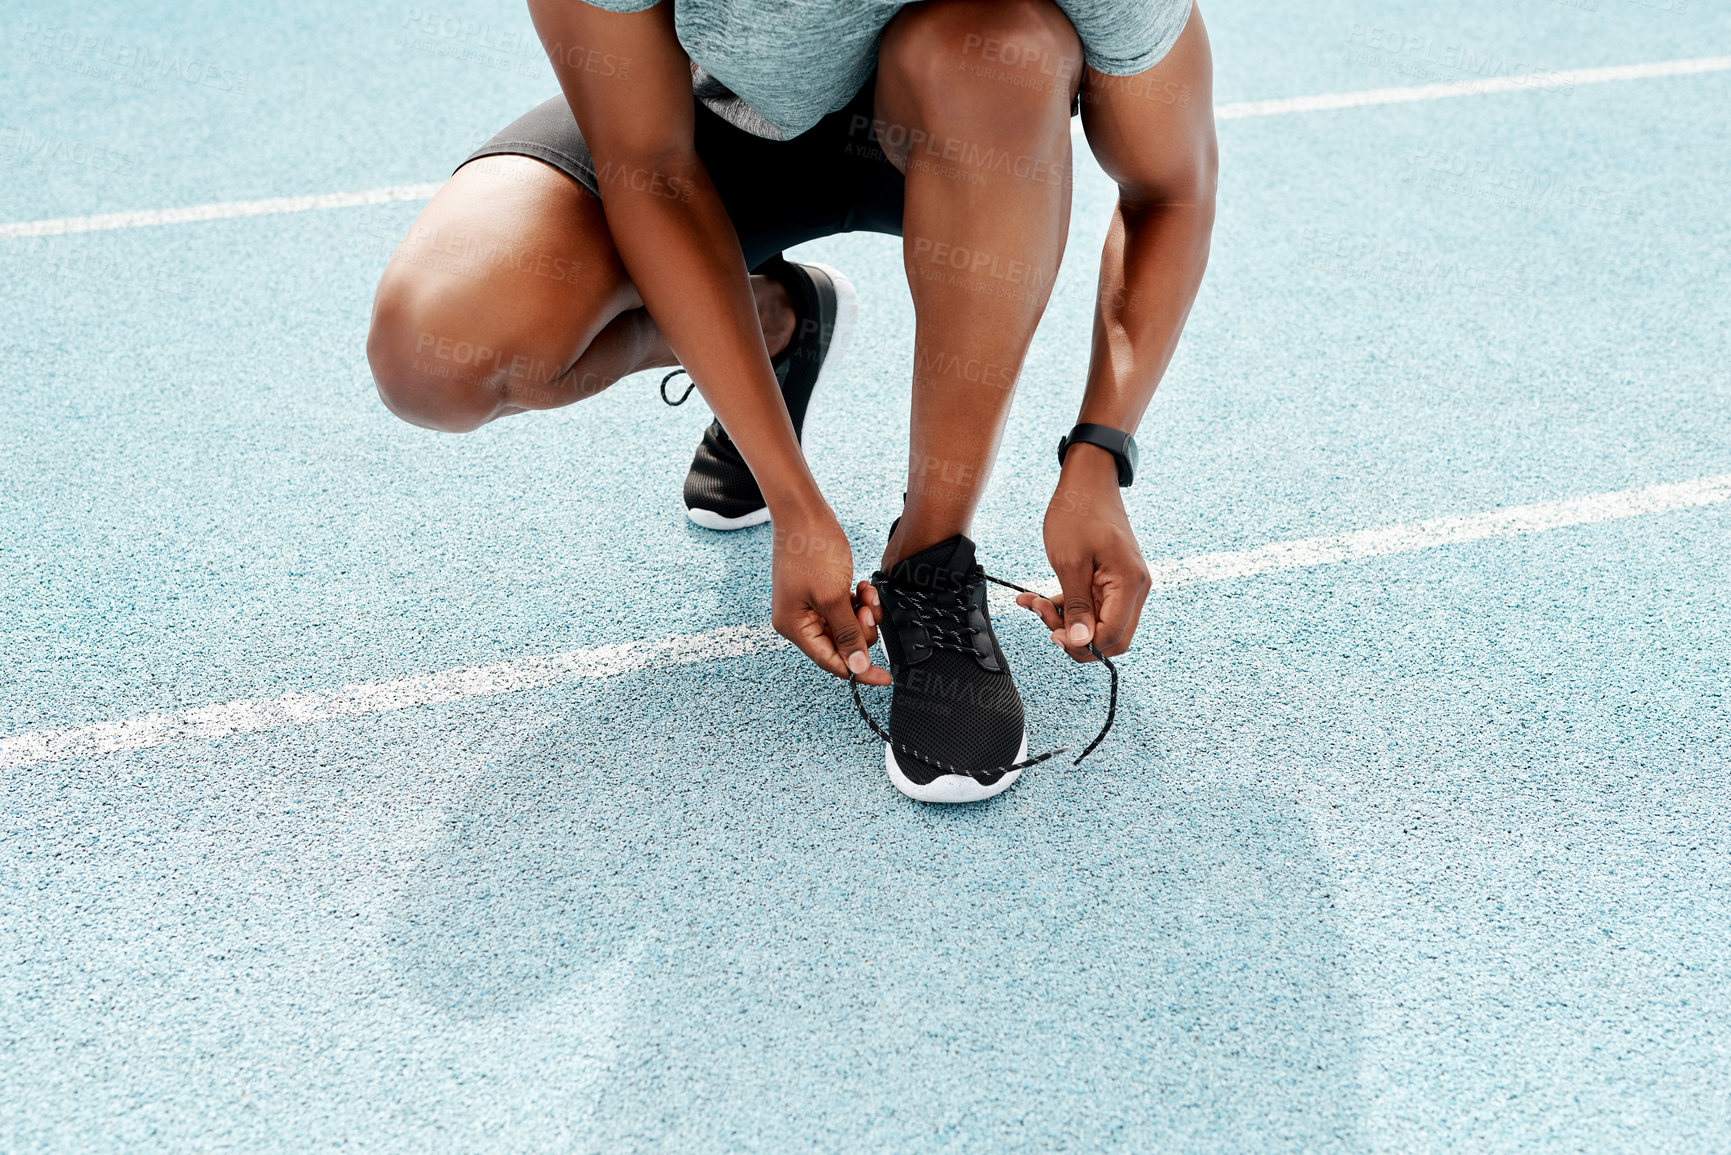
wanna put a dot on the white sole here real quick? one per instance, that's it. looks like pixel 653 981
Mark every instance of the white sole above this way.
pixel 846 321
pixel 840 337
pixel 709 519
pixel 952 788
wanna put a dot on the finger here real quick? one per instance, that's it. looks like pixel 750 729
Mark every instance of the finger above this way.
pixel 1120 607
pixel 1048 613
pixel 1114 617
pixel 850 640
pixel 1139 602
pixel 867 625
pixel 808 634
pixel 866 596
pixel 1130 630
pixel 1081 654
pixel 1078 604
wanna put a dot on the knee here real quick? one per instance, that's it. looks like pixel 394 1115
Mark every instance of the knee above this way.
pixel 1201 171
pixel 1189 175
pixel 1183 170
pixel 988 67
pixel 432 365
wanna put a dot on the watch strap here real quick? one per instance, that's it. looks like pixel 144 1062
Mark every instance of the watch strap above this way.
pixel 1118 443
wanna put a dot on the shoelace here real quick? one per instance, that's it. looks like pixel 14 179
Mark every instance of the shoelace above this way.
pixel 683 395
pixel 959 637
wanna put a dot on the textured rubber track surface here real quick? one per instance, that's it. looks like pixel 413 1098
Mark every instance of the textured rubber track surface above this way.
pixel 1397 852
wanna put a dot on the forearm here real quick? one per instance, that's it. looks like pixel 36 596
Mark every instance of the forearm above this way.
pixel 668 225
pixel 698 292
pixel 1150 269
pixel 1153 263
pixel 1153 134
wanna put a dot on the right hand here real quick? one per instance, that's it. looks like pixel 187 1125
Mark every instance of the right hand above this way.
pixel 814 597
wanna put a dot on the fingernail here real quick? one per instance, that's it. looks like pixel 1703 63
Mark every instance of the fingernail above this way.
pixel 858 662
pixel 1079 633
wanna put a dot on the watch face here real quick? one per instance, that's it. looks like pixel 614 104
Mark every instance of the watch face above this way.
pixel 1130 452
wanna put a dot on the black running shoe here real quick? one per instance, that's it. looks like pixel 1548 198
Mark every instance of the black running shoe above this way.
pixel 720 492
pixel 955 718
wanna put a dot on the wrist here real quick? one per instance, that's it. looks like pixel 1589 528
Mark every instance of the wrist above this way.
pixel 1088 465
pixel 1117 442
pixel 1087 487
pixel 797 503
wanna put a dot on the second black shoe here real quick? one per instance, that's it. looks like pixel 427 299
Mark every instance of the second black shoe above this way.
pixel 955 716
pixel 720 492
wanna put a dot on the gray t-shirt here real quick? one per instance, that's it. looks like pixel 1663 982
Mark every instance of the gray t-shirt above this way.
pixel 776 67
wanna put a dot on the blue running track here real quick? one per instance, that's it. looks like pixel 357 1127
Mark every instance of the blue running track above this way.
pixel 1398 849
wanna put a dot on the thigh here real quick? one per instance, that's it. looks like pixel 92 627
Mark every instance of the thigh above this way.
pixel 502 283
pixel 511 247
pixel 778 193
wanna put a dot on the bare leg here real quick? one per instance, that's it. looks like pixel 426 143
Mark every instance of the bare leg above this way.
pixel 973 104
pixel 508 295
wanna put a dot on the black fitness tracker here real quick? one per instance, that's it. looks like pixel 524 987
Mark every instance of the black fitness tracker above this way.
pixel 1118 443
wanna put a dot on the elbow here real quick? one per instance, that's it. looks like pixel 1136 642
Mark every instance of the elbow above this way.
pixel 654 173
pixel 639 147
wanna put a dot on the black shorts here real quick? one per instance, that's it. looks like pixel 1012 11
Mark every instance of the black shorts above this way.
pixel 831 179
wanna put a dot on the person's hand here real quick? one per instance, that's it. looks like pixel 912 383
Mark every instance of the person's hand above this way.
pixel 1095 555
pixel 815 604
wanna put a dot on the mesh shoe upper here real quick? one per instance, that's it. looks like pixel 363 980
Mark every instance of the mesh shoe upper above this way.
pixel 719 480
pixel 954 699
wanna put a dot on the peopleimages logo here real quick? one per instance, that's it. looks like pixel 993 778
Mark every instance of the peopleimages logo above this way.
pixel 643 180
pixel 20 146
pixel 1419 56
pixel 976 261
pixel 516 41
pixel 966 154
pixel 996 696
pixel 135 65
pixel 937 363
pixel 1495 181
pixel 1401 267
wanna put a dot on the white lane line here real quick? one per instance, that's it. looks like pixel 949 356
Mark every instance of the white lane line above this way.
pixel 250 715
pixel 1514 521
pixel 1531 81
pixel 1237 111
pixel 216 212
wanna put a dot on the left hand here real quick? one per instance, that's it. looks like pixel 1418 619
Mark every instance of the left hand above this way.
pixel 1094 553
pixel 812 604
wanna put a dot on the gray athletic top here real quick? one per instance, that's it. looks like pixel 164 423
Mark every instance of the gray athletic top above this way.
pixel 776 67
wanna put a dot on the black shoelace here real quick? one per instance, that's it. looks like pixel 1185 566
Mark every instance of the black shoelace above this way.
pixel 946 629
pixel 682 397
